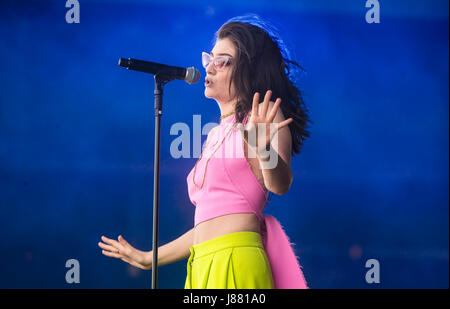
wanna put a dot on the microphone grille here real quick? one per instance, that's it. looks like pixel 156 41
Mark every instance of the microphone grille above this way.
pixel 192 75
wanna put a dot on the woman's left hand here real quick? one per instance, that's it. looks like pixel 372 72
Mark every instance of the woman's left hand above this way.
pixel 253 132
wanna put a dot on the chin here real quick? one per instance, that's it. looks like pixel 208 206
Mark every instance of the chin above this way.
pixel 207 94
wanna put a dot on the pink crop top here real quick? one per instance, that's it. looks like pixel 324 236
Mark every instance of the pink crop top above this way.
pixel 230 186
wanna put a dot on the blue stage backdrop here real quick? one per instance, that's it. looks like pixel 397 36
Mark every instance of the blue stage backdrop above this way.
pixel 77 130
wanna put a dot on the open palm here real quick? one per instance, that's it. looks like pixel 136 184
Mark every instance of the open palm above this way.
pixel 261 128
pixel 121 249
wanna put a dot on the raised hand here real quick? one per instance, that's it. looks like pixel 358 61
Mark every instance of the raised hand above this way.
pixel 261 128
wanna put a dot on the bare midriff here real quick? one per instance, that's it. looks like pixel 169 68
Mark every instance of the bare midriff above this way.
pixel 232 223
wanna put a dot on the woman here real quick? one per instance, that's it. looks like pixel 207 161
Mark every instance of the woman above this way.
pixel 232 245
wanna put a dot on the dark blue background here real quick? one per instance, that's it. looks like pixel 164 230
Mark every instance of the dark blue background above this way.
pixel 76 138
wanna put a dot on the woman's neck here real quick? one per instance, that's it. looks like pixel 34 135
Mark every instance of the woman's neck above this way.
pixel 226 111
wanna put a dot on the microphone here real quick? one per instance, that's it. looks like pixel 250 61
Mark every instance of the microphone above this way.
pixel 190 75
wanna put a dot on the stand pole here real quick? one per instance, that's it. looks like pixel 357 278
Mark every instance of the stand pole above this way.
pixel 158 92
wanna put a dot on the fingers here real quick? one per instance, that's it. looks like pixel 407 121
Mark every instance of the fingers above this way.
pixel 110 251
pixel 107 247
pixel 109 241
pixel 122 257
pixel 129 250
pixel 274 110
pixel 112 254
pixel 122 250
pixel 255 105
pixel 113 245
pixel 265 104
pixel 124 242
pixel 284 123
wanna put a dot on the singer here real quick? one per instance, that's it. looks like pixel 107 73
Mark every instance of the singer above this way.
pixel 233 244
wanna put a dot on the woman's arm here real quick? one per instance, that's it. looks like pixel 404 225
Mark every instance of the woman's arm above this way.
pixel 175 250
pixel 169 253
pixel 279 179
pixel 266 121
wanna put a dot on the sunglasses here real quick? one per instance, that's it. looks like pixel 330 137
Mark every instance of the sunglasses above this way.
pixel 220 62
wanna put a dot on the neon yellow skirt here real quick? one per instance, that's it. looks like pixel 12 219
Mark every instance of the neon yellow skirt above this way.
pixel 231 261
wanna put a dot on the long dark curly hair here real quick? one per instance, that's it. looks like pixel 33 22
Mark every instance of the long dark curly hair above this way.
pixel 263 63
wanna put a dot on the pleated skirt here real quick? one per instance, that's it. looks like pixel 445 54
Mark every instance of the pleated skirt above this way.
pixel 231 261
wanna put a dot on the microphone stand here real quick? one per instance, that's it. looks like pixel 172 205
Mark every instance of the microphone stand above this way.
pixel 164 75
pixel 160 81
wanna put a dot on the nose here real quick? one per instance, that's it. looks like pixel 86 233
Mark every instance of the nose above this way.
pixel 210 68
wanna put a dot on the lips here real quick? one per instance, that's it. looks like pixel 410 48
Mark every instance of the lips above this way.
pixel 208 82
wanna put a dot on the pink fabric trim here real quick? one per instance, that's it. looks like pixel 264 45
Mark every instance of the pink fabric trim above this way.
pixel 286 270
